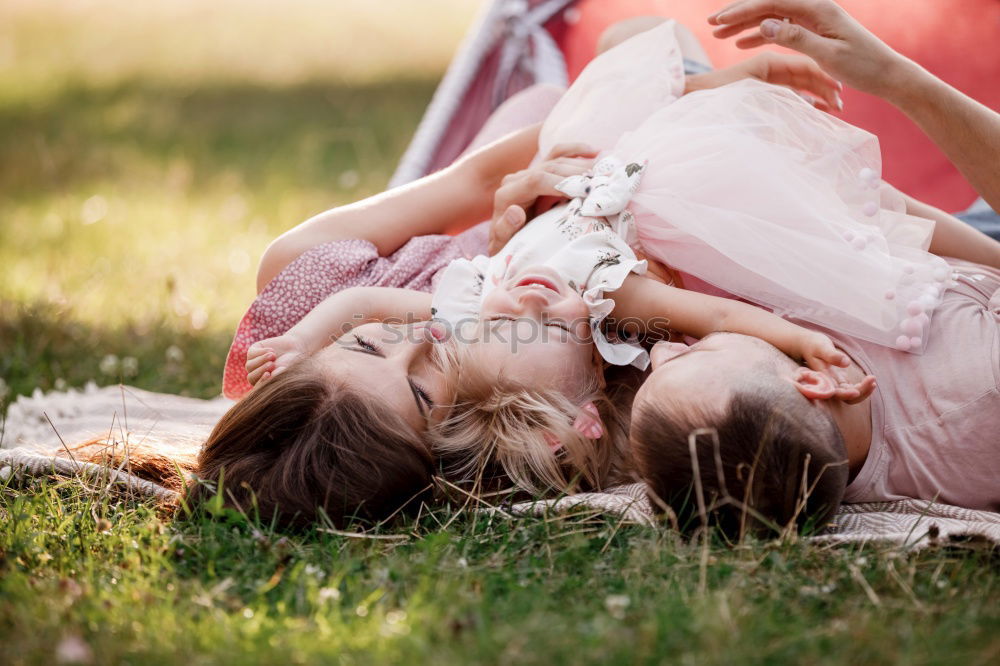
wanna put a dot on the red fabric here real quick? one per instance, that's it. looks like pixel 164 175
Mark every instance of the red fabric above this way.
pixel 956 41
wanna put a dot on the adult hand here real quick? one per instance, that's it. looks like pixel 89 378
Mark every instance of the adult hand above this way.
pixel 796 72
pixel 521 190
pixel 822 30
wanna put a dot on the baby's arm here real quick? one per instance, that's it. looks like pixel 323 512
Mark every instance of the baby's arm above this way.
pixel 352 307
pixel 698 315
pixel 954 238
pixel 458 195
pixel 331 318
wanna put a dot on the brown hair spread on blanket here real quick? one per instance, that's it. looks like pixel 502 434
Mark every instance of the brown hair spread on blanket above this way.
pixel 164 463
pixel 300 444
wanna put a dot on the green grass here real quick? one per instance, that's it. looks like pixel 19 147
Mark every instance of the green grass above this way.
pixel 483 590
pixel 148 153
pixel 138 212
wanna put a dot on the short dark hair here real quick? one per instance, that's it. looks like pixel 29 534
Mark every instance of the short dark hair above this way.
pixel 300 444
pixel 779 459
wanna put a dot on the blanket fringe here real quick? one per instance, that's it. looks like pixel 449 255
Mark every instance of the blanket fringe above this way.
pixel 22 462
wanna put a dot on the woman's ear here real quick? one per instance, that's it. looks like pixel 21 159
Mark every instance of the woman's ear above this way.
pixel 814 385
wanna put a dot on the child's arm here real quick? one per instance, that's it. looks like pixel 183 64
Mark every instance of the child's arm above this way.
pixel 460 194
pixel 698 315
pixel 332 318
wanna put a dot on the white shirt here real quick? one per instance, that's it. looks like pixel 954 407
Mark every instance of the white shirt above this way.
pixel 587 252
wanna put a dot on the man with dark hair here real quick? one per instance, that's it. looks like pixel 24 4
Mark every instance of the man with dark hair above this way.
pixel 930 431
pixel 763 456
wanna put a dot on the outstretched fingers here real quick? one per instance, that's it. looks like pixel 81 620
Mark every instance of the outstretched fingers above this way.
pixel 752 12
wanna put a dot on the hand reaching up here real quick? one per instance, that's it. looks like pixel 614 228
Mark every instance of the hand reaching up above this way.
pixel 819 352
pixel 820 29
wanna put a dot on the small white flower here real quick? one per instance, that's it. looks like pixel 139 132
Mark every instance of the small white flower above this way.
pixel 616 605
pixel 109 364
pixel 60 384
pixel 73 650
pixel 349 179
pixel 314 571
pixel 174 354
pixel 328 594
pixel 130 366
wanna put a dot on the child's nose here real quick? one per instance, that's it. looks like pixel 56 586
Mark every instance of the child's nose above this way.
pixel 533 301
pixel 664 351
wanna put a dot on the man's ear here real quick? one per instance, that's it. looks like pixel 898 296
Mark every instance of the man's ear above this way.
pixel 814 385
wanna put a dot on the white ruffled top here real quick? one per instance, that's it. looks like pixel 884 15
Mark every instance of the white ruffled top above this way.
pixel 587 252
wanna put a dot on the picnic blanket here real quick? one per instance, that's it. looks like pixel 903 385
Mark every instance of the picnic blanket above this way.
pixel 40 427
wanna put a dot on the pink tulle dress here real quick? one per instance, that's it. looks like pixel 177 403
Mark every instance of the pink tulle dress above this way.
pixel 751 191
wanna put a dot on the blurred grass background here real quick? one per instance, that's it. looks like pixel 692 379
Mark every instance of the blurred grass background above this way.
pixel 150 151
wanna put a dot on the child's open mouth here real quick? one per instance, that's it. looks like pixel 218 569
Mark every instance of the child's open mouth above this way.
pixel 534 280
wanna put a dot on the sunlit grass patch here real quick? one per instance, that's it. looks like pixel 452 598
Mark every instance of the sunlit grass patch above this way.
pixel 147 225
pixel 188 188
pixel 148 154
pixel 46 45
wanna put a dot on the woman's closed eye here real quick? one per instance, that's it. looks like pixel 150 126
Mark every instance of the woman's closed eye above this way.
pixel 418 390
pixel 423 394
pixel 367 345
